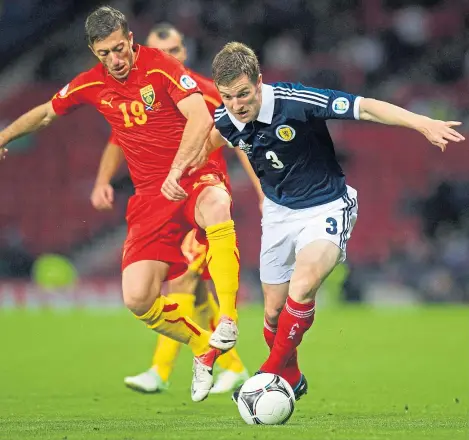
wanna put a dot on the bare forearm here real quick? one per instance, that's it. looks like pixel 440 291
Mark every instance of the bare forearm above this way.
pixel 215 141
pixel 250 172
pixel 111 160
pixel 37 118
pixel 439 133
pixel 389 114
pixel 196 131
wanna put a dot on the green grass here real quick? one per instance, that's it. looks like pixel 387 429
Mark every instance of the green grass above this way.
pixel 373 374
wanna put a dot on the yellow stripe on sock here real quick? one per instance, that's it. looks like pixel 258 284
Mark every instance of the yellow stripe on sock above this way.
pixel 167 349
pixel 165 318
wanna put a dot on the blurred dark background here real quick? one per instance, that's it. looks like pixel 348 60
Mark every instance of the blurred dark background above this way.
pixel 411 241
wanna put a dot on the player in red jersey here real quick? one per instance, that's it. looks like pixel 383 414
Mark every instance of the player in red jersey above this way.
pixel 161 121
pixel 192 289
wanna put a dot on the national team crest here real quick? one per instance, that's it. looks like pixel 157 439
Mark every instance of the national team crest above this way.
pixel 148 96
pixel 285 133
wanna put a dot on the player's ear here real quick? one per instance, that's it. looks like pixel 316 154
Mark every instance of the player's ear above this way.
pixel 259 81
pixel 131 38
pixel 184 54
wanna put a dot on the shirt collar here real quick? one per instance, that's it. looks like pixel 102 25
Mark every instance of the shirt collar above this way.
pixel 266 112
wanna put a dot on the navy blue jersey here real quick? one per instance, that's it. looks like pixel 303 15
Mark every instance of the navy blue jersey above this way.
pixel 289 145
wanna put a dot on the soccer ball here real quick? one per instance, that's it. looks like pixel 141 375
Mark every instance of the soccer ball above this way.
pixel 266 399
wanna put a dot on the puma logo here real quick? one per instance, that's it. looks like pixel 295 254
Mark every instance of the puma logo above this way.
pixel 109 103
pixel 292 333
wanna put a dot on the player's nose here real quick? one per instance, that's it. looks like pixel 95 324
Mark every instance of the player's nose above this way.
pixel 114 59
pixel 237 105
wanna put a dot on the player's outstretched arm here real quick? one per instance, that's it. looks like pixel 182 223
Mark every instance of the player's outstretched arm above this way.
pixel 199 123
pixel 102 196
pixel 439 133
pixel 37 118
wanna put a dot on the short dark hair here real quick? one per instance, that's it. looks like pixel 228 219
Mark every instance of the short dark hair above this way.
pixel 102 22
pixel 234 60
pixel 163 29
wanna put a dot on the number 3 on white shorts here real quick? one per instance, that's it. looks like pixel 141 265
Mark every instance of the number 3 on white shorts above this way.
pixel 276 163
pixel 332 229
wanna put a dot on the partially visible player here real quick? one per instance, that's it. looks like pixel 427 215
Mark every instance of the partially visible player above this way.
pixel 161 121
pixel 202 307
pixel 309 211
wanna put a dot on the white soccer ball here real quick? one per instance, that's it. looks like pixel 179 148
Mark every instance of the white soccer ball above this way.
pixel 266 399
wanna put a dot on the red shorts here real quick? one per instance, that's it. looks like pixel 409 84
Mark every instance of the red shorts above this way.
pixel 156 227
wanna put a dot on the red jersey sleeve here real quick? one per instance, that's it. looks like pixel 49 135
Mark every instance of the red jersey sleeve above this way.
pixel 113 139
pixel 209 91
pixel 212 103
pixel 176 79
pixel 81 90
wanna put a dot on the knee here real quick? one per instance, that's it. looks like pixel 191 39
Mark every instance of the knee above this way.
pixel 215 206
pixel 274 301
pixel 139 297
pixel 273 305
pixel 271 313
pixel 305 287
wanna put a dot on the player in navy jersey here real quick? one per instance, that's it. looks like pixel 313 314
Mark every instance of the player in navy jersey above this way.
pixel 309 211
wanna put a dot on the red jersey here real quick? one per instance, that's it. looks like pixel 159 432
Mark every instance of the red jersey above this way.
pixel 142 111
pixel 213 101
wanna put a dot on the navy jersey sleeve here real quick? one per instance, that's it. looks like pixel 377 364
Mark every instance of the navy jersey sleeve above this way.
pixel 321 103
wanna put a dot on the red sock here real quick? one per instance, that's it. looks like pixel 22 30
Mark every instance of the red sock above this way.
pixel 291 373
pixel 295 319
pixel 270 330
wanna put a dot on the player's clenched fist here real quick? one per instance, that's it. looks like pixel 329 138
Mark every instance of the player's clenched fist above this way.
pixel 102 197
pixel 171 188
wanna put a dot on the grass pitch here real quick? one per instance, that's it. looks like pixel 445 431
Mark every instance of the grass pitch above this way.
pixel 374 374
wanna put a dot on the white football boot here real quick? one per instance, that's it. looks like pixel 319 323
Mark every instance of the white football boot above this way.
pixel 147 382
pixel 225 335
pixel 228 381
pixel 202 379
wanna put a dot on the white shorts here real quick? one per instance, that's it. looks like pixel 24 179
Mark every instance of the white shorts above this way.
pixel 286 231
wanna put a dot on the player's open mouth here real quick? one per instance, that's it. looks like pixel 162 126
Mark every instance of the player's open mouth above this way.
pixel 243 113
pixel 120 69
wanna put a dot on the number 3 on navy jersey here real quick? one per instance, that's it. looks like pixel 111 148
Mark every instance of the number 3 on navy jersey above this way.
pixel 276 163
